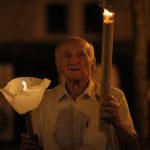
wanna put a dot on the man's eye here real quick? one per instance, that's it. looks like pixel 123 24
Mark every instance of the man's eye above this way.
pixel 67 56
pixel 81 54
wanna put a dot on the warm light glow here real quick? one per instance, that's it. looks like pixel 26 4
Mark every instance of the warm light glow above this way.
pixel 108 16
pixel 24 85
pixel 107 13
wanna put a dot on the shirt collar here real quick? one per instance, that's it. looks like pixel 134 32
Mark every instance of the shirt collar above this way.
pixel 61 93
pixel 89 89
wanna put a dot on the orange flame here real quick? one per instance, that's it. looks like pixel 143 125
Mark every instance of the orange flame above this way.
pixel 108 16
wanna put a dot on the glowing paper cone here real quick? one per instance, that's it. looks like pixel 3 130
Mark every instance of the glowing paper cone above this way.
pixel 25 94
pixel 25 99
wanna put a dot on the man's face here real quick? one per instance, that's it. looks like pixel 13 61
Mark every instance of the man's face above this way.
pixel 74 62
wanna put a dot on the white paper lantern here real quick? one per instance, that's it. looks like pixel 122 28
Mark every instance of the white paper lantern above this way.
pixel 25 93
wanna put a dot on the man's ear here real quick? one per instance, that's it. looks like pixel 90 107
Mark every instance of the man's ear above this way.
pixel 58 69
pixel 57 65
pixel 93 65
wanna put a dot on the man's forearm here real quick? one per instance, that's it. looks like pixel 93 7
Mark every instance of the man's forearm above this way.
pixel 127 140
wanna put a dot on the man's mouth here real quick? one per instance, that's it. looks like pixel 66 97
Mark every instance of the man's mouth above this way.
pixel 74 69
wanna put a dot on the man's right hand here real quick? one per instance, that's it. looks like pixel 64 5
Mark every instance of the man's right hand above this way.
pixel 29 143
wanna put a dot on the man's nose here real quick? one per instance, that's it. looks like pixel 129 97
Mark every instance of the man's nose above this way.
pixel 74 60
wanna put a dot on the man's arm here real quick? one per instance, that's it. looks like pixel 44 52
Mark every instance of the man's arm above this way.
pixel 127 140
pixel 110 113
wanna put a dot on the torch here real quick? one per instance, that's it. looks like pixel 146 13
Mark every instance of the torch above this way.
pixel 25 97
pixel 29 127
pixel 107 48
pixel 106 59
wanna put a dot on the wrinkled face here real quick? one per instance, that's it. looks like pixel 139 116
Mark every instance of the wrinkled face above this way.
pixel 74 62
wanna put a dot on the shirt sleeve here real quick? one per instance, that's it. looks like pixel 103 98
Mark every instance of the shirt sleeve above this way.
pixel 125 114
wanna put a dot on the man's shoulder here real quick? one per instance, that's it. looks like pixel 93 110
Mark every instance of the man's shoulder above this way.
pixel 113 90
pixel 53 91
pixel 118 94
pixel 116 89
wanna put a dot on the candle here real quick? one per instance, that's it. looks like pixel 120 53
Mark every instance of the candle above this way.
pixel 29 127
pixel 106 59
pixel 107 47
pixel 28 115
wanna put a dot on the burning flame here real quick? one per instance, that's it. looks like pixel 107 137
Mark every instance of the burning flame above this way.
pixel 24 85
pixel 108 16
pixel 107 13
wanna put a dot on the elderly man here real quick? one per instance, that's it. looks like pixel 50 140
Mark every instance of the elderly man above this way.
pixel 68 116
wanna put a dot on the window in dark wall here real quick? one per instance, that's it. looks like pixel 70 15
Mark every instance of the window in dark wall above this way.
pixel 56 18
pixel 93 18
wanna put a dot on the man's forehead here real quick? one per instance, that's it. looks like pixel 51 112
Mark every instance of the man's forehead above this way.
pixel 72 46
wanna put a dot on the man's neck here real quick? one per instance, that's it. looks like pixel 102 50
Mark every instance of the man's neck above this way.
pixel 76 87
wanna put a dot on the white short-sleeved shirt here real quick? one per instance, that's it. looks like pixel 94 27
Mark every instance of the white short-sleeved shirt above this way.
pixel 64 124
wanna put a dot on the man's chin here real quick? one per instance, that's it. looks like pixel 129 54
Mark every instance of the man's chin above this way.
pixel 75 79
